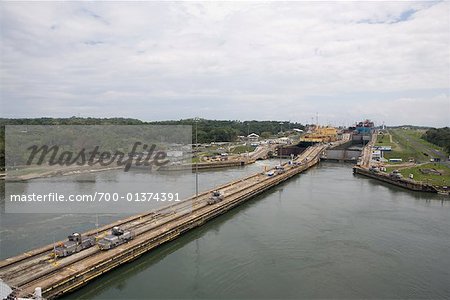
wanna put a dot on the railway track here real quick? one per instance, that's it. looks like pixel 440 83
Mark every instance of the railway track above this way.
pixel 11 269
pixel 56 276
pixel 24 278
pixel 30 262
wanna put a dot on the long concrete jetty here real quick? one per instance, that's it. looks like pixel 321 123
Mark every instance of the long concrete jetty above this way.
pixel 364 167
pixel 207 165
pixel 261 152
pixel 56 277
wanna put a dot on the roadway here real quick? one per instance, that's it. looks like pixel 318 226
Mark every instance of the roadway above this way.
pixel 366 156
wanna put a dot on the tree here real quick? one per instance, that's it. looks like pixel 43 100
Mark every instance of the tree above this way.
pixel 439 136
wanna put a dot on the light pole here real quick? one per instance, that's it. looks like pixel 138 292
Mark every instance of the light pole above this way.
pixel 281 152
pixel 54 248
pixel 96 224
pixel 196 161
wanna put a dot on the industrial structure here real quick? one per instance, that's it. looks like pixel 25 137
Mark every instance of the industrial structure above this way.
pixel 321 134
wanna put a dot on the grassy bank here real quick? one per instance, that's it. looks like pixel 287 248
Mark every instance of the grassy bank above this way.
pixel 407 144
pixel 242 149
pixel 419 175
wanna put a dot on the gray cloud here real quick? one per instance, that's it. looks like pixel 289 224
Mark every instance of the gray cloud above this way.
pixel 161 60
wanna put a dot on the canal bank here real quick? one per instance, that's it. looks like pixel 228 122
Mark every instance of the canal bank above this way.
pixel 401 182
pixel 151 230
pixel 374 157
pixel 324 226
pixel 323 234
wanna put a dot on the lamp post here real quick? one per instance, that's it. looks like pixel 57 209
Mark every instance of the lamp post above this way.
pixel 281 152
pixel 54 248
pixel 196 161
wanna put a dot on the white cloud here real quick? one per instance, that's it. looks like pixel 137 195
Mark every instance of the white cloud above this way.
pixel 402 110
pixel 225 60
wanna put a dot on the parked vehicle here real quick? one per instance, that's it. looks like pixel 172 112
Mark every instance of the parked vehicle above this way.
pixel 75 243
pixel 279 169
pixel 216 197
pixel 117 237
pixel 395 175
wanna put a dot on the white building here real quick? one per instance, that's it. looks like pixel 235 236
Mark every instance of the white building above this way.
pixel 376 154
pixel 253 137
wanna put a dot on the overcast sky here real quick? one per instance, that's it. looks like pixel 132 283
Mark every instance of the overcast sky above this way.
pixel 387 61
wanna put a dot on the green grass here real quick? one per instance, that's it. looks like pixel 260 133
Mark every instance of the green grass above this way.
pixel 441 180
pixel 196 160
pixel 384 140
pixel 402 147
pixel 28 170
pixel 242 149
pixel 399 150
pixel 417 136
pixel 408 144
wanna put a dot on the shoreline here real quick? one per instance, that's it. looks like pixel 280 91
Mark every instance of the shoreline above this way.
pixel 409 184
pixel 58 172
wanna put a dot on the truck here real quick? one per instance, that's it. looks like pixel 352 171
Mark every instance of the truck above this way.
pixel 117 237
pixel 74 244
pixel 216 197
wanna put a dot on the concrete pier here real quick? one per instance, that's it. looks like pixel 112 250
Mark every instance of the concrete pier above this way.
pixel 57 277
pixel 401 182
pixel 363 167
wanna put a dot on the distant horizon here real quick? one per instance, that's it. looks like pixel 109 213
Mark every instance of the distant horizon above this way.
pixel 232 120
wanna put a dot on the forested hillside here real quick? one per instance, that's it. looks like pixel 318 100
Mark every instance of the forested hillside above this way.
pixel 207 130
pixel 439 136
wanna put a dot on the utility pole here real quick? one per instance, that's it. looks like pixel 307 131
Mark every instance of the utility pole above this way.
pixel 54 248
pixel 281 152
pixel 96 224
pixel 196 161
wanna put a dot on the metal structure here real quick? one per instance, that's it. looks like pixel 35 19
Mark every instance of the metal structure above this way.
pixel 117 237
pixel 138 234
pixel 216 197
pixel 75 244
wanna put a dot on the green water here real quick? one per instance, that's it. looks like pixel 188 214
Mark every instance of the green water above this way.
pixel 323 234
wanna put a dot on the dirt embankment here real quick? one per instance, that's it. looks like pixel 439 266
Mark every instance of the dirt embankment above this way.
pixel 33 172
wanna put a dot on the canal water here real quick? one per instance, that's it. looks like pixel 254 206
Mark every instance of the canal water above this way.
pixel 324 234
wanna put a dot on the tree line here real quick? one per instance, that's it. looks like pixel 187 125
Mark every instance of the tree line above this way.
pixel 439 136
pixel 229 130
pixel 203 130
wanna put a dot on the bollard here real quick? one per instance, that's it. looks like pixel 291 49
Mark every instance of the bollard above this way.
pixel 38 293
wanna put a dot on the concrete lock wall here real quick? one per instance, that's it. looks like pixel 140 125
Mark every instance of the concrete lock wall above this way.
pixel 341 155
